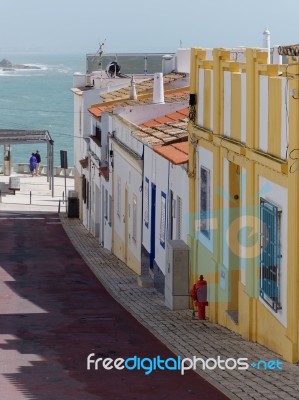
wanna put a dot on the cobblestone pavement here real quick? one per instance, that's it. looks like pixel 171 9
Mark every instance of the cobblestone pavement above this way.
pixel 181 334
pixel 55 314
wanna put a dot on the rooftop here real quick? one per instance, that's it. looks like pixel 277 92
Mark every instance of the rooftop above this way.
pixel 175 96
pixel 176 153
pixel 141 87
pixel 164 130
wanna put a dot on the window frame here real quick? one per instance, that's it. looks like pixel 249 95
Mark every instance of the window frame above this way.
pixel 270 253
pixel 205 210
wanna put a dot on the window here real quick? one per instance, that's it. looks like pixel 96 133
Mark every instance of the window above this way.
pixel 205 201
pixel 179 219
pixel 163 219
pixel 146 202
pixel 98 134
pixel 118 209
pixel 270 254
pixel 134 233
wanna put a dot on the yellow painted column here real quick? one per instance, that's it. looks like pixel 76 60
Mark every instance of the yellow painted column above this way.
pixel 195 55
pixel 293 223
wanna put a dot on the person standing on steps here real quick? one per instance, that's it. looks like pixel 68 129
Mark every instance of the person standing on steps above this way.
pixel 32 164
pixel 38 160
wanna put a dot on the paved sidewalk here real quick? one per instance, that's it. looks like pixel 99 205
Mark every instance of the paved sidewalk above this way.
pixel 41 195
pixel 181 334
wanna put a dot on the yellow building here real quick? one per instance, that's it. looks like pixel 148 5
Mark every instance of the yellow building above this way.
pixel 243 180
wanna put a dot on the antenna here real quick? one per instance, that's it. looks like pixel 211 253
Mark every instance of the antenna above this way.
pixel 100 53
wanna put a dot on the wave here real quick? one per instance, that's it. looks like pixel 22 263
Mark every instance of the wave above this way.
pixel 35 69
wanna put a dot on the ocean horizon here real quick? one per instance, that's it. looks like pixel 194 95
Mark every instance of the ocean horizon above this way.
pixel 40 99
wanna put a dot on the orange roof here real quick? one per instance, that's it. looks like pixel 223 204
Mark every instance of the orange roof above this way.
pixel 170 128
pixel 177 153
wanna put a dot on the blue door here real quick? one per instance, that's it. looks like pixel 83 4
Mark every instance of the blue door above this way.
pixel 153 225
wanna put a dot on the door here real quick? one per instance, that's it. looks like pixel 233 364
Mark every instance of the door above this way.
pixel 153 225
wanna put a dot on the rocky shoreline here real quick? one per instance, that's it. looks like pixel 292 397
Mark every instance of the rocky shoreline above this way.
pixel 7 65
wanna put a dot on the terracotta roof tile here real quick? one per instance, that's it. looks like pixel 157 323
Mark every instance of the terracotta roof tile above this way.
pixel 163 120
pixel 176 153
pixel 170 131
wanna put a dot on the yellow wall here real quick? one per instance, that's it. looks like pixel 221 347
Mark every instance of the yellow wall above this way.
pixel 255 320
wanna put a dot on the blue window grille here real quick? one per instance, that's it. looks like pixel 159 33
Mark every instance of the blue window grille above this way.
pixel 270 254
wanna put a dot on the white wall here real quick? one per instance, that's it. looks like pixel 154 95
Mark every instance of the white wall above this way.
pixel 227 103
pixel 148 173
pixel 243 107
pixel 122 133
pixel 129 170
pixel 263 123
pixel 179 184
pixel 162 185
pixel 183 60
pixel 143 113
pixel 284 117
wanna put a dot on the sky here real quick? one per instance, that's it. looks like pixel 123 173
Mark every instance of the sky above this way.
pixel 78 26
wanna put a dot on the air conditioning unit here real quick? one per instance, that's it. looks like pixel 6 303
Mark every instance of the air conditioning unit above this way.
pixel 177 275
pixel 72 194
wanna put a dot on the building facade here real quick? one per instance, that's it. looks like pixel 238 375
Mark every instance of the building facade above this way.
pixel 243 187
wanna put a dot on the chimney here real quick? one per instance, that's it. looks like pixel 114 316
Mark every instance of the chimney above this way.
pixel 158 95
pixel 277 58
pixel 168 64
pixel 266 42
pixel 133 93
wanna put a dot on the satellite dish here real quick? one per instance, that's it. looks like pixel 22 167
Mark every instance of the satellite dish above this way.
pixel 113 69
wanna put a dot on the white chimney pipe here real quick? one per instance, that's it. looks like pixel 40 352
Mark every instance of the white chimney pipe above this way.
pixel 158 96
pixel 266 43
pixel 133 93
pixel 277 58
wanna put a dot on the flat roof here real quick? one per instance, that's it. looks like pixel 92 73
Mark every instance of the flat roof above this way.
pixel 18 136
pixel 176 96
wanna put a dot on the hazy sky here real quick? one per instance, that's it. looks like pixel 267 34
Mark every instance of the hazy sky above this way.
pixel 77 26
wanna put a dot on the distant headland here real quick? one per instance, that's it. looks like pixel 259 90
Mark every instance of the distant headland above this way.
pixel 7 65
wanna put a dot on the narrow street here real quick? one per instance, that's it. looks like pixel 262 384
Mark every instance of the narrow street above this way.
pixel 54 313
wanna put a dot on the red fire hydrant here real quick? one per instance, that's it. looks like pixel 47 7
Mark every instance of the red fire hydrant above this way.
pixel 199 295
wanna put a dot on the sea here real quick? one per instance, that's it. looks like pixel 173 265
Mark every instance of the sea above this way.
pixel 40 99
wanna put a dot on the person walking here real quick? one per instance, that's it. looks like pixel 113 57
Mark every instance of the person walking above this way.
pixel 38 160
pixel 32 164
